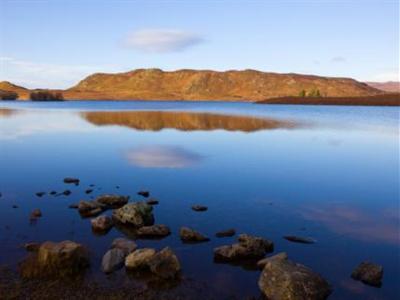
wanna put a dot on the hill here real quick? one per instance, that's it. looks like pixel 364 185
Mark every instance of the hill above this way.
pixel 247 85
pixel 389 86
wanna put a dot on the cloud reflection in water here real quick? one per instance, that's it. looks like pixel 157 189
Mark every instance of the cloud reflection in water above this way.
pixel 162 156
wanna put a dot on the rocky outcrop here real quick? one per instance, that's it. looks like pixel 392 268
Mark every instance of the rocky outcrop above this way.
pixel 282 279
pixel 247 247
pixel 61 259
pixel 112 201
pixel 189 235
pixel 369 273
pixel 113 260
pixel 125 245
pixel 137 214
pixel 95 207
pixel 139 259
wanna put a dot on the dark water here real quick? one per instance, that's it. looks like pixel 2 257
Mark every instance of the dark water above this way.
pixel 330 173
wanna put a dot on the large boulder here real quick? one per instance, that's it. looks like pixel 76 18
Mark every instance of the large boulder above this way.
pixel 90 208
pixel 369 273
pixel 189 235
pixel 137 214
pixel 154 231
pixel 247 247
pixel 113 260
pixel 163 264
pixel 66 258
pixel 282 279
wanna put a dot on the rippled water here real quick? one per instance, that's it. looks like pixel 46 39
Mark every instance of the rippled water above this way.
pixel 330 173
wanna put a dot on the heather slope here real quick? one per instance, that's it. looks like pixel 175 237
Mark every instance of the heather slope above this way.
pixel 248 85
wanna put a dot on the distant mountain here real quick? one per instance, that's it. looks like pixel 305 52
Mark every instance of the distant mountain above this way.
pixel 247 85
pixel 389 86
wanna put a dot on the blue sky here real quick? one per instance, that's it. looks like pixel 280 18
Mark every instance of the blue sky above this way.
pixel 57 43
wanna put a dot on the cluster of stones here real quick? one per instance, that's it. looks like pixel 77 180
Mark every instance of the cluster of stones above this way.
pixel 280 278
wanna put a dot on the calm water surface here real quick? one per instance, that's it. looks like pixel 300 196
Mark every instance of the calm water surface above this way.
pixel 331 173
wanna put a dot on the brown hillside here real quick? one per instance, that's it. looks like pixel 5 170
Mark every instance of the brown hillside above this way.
pixel 22 92
pixel 390 86
pixel 248 85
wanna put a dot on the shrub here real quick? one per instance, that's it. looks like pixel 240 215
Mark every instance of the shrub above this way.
pixel 46 95
pixel 8 95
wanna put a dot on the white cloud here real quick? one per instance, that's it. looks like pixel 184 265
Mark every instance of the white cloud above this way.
pixel 44 75
pixel 162 40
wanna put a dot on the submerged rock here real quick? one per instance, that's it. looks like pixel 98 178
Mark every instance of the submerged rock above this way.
pixel 53 193
pixel 144 193
pixel 36 213
pixel 71 180
pixel 247 247
pixel 88 191
pixel 154 231
pixel 65 258
pixel 152 201
pixel 285 280
pixel 125 245
pixel 199 208
pixel 101 223
pixel 163 264
pixel 190 235
pixel 40 194
pixel 225 233
pixel 137 214
pixel 66 193
pixel 369 273
pixel 74 206
pixel 15 206
pixel 299 239
pixel 113 260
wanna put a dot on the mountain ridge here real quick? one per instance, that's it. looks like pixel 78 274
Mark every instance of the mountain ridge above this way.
pixel 187 84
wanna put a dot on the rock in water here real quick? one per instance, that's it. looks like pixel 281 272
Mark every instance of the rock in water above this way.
pixel 154 231
pixel 53 193
pixel 139 259
pixel 285 280
pixel 113 260
pixel 62 259
pixel 137 214
pixel 112 201
pixel 90 208
pixel 40 194
pixel 199 208
pixel 101 223
pixel 261 263
pixel 152 201
pixel 71 180
pixel 247 247
pixel 32 247
pixel 88 191
pixel 66 193
pixel 190 235
pixel 36 213
pixel 299 239
pixel 225 233
pixel 144 193
pixel 165 264
pixel 125 245
pixel 369 273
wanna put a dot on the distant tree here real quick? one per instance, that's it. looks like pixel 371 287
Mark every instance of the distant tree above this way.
pixel 314 93
pixel 302 94
pixel 46 95
pixel 8 95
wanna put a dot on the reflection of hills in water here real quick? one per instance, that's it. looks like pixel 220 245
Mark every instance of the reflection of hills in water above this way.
pixel 5 112
pixel 186 121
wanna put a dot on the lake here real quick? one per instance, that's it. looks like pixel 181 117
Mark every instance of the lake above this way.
pixel 326 172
